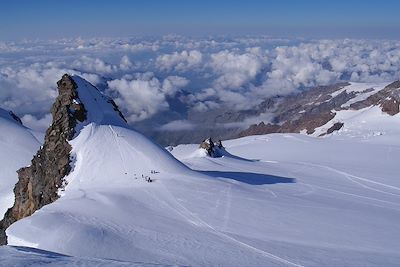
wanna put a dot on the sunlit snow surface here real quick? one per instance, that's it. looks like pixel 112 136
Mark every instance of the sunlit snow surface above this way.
pixel 281 200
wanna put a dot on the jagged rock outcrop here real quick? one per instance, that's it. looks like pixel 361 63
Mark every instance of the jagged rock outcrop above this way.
pixel 214 150
pixel 39 183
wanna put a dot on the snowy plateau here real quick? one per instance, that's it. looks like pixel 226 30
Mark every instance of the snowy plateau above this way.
pixel 270 200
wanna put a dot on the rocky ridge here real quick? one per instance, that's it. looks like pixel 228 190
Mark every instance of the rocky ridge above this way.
pixel 314 108
pixel 39 183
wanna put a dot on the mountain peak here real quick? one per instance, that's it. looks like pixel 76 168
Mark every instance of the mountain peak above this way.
pixel 86 103
pixel 79 103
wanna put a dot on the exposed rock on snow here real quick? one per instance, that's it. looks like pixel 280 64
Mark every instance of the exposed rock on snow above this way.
pixel 335 127
pixel 307 122
pixel 388 99
pixel 315 108
pixel 214 150
pixel 38 184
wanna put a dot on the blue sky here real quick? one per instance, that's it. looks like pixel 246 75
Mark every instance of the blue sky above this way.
pixel 284 18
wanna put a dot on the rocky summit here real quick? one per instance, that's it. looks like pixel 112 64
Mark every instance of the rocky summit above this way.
pixel 39 183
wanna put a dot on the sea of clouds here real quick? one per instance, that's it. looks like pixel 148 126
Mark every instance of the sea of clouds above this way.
pixel 215 72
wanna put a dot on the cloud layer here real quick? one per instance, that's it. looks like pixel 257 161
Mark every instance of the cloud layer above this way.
pixel 214 72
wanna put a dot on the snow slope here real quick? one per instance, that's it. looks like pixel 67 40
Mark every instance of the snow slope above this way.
pixel 364 124
pixel 109 211
pixel 300 201
pixel 342 209
pixel 98 106
pixel 273 200
pixel 17 145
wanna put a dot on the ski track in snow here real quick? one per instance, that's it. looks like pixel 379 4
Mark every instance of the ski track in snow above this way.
pixel 352 177
pixel 311 191
pixel 195 220
pixel 359 196
pixel 314 186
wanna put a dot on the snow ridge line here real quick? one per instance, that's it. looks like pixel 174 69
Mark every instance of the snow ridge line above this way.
pixel 199 222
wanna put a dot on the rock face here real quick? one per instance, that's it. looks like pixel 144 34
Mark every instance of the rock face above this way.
pixel 38 184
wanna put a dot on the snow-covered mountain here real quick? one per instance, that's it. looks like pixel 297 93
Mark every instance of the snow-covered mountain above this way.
pixel 323 110
pixel 269 200
pixel 78 104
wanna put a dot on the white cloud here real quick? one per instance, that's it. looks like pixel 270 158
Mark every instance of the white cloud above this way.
pixel 219 72
pixel 144 96
pixel 205 105
pixel 96 65
pixel 36 124
pixel 30 89
pixel 125 63
pixel 140 47
pixel 182 61
pixel 172 84
pixel 178 125
pixel 236 69
pixel 141 98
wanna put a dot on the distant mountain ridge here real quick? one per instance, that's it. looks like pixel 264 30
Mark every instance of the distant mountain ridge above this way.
pixel 315 108
pixel 294 113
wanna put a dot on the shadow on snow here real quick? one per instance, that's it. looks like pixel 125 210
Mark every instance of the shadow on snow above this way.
pixel 250 178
